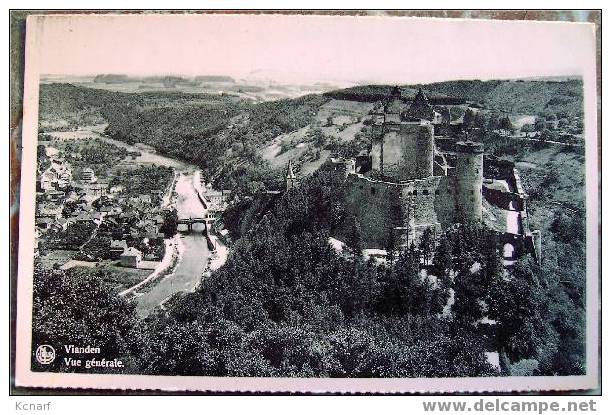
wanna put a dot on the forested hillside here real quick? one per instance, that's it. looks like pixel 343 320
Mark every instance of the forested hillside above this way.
pixel 219 133
pixel 286 304
pixel 523 97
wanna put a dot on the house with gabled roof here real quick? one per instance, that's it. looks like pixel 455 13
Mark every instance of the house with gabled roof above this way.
pixel 117 248
pixel 131 258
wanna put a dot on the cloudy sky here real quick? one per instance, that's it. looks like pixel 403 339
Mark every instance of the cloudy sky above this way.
pixel 312 48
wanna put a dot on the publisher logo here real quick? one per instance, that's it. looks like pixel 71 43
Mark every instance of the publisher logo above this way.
pixel 45 354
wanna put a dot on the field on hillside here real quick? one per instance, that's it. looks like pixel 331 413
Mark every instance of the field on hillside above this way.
pixel 338 121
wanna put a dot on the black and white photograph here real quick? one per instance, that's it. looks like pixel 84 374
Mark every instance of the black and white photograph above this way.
pixel 294 198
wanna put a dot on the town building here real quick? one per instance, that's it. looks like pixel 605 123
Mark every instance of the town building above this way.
pixel 117 248
pixel 131 258
pixel 57 176
pixel 218 199
pixel 88 175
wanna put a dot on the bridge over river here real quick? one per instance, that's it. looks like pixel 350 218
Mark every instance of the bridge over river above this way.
pixel 190 222
pixel 194 252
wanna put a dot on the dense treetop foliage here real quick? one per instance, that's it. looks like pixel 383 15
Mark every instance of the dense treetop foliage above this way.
pixel 287 304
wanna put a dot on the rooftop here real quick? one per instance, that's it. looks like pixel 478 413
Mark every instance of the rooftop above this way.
pixel 469 146
pixel 131 251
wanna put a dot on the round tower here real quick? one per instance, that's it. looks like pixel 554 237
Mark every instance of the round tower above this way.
pixel 417 150
pixel 469 178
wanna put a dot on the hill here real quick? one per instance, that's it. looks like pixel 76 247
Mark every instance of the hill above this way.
pixel 520 96
pixel 373 93
pixel 110 78
pixel 214 78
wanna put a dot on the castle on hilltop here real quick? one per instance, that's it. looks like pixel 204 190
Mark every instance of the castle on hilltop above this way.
pixel 405 184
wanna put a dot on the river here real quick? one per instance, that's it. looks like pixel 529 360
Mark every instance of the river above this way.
pixel 194 252
pixel 194 249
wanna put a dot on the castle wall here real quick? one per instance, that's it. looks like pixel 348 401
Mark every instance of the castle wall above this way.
pixel 386 208
pixel 373 203
pixel 445 201
pixel 423 210
pixel 502 199
pixel 406 151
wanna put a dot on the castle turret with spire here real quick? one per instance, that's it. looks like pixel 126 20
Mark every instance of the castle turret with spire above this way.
pixel 290 180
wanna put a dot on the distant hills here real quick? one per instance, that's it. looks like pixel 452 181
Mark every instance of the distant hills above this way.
pixel 518 97
pixel 215 78
pixel 110 79
pixel 120 78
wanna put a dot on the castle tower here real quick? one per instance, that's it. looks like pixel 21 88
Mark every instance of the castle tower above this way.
pixel 393 107
pixel 418 147
pixel 403 148
pixel 404 152
pixel 469 178
pixel 290 179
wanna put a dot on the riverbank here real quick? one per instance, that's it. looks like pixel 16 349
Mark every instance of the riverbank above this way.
pixel 166 264
pixel 194 250
pixel 186 256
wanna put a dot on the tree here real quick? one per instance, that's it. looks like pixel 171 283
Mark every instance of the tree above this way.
pixel 516 304
pixel 468 296
pixel 540 124
pixel 318 137
pixel 401 294
pixel 505 124
pixel 479 120
pixel 492 266
pixel 427 244
pixel 563 123
pixel 355 239
pixel 391 246
pixel 442 261
pixel 548 135
pixel 528 128
pixel 78 307
pixel 493 122
pixel 551 117
pixel 170 223
pixel 468 118
pixel 98 247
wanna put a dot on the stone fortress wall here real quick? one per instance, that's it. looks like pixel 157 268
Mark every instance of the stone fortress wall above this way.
pixel 402 209
pixel 405 190
pixel 469 179
pixel 405 151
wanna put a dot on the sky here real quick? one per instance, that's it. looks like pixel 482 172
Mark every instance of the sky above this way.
pixel 312 48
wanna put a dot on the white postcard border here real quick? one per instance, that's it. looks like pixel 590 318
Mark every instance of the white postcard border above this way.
pixel 26 378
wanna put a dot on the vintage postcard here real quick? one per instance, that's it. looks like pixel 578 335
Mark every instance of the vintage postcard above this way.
pixel 298 203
